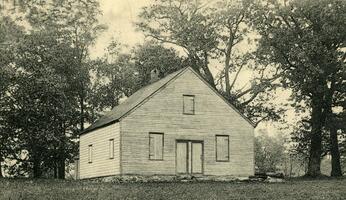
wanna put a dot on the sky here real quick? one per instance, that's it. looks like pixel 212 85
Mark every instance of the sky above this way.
pixel 120 16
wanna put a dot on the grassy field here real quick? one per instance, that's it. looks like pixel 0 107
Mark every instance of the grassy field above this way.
pixel 55 189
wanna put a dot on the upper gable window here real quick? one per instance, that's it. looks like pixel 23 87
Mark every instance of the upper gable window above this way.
pixel 189 104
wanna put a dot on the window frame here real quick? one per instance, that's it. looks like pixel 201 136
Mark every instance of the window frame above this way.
pixel 111 151
pixel 90 153
pixel 163 146
pixel 228 154
pixel 194 104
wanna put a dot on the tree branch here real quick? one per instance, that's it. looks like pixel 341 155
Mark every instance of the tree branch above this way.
pixel 236 76
pixel 166 41
pixel 261 86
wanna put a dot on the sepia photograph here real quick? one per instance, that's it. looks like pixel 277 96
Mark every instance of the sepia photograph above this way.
pixel 172 99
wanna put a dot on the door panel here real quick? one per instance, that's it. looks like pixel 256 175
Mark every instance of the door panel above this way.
pixel 182 153
pixel 197 157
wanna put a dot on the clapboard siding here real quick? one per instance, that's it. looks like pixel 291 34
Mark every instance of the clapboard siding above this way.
pixel 101 164
pixel 163 112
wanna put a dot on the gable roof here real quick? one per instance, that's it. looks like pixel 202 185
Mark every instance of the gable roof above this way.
pixel 223 98
pixel 131 102
pixel 144 93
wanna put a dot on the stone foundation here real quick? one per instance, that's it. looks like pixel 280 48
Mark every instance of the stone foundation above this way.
pixel 168 178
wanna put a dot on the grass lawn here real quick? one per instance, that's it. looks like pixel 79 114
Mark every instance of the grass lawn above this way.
pixel 56 189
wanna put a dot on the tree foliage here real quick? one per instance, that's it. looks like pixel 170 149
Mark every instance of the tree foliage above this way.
pixel 269 153
pixel 119 75
pixel 46 100
pixel 49 86
pixel 306 40
pixel 9 36
pixel 214 32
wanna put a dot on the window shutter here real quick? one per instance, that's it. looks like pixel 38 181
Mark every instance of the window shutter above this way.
pixel 90 153
pixel 189 104
pixel 155 146
pixel 158 146
pixel 151 146
pixel 111 148
pixel 222 148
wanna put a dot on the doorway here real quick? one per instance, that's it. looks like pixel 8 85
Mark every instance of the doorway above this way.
pixel 189 157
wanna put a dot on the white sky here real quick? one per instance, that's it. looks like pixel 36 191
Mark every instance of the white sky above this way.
pixel 120 16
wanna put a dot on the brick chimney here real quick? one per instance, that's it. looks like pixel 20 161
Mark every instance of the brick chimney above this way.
pixel 154 75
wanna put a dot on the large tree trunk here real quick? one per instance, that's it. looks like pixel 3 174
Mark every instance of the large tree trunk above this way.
pixel 334 151
pixel 1 175
pixel 314 166
pixel 207 72
pixel 227 63
pixel 291 166
pixel 55 170
pixel 195 63
pixel 333 132
pixel 37 168
pixel 81 112
pixel 62 148
pixel 61 169
pixel 227 82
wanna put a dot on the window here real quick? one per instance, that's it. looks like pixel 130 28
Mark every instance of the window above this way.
pixel 111 148
pixel 90 153
pixel 222 148
pixel 189 104
pixel 155 146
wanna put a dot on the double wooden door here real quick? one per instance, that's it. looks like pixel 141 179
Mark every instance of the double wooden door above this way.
pixel 189 157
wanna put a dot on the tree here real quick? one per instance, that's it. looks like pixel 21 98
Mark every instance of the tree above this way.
pixel 342 143
pixel 152 55
pixel 269 153
pixel 113 80
pixel 79 22
pixel 305 40
pixel 119 75
pixel 336 125
pixel 52 77
pixel 80 28
pixel 301 137
pixel 41 111
pixel 182 23
pixel 208 32
pixel 9 35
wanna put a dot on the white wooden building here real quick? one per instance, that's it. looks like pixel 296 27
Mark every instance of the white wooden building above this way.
pixel 176 125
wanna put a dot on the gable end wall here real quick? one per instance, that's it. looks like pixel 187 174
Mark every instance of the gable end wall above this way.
pixel 101 164
pixel 163 113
